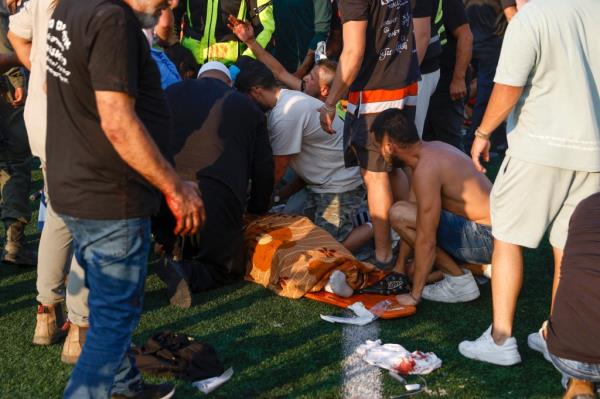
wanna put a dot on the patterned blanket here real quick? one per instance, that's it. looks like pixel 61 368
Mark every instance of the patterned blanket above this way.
pixel 292 257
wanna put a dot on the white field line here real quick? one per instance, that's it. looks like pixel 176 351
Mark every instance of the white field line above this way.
pixel 361 381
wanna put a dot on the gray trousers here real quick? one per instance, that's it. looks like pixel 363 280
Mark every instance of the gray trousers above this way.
pixel 55 263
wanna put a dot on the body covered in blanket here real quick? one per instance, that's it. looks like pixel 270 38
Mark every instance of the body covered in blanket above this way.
pixel 293 257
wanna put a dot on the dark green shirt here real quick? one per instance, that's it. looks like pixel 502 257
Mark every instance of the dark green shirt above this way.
pixel 301 25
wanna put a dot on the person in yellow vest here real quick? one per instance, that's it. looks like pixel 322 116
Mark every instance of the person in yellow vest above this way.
pixel 205 31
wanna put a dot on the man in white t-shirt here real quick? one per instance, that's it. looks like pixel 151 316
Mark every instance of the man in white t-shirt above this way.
pixel 317 158
pixel 549 77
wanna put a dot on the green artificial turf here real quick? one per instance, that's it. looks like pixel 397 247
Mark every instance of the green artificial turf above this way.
pixel 279 348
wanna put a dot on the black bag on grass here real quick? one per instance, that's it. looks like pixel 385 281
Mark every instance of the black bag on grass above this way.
pixel 177 355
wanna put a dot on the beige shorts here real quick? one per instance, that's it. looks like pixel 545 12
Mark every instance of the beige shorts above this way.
pixel 528 198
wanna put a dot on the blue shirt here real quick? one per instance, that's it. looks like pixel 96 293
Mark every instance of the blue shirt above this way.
pixel 168 71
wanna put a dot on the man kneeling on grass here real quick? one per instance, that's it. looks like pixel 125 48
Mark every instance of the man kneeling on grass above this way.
pixel 448 224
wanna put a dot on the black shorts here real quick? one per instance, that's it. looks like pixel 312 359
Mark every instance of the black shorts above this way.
pixel 360 147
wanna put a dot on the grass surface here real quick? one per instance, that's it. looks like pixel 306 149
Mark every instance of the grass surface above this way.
pixel 280 348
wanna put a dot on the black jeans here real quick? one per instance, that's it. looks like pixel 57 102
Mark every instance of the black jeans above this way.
pixel 444 118
pixel 486 70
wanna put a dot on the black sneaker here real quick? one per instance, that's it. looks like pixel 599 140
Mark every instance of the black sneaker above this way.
pixel 151 391
pixel 393 284
pixel 173 274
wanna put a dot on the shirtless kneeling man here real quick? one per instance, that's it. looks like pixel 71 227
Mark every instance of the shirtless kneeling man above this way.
pixel 447 222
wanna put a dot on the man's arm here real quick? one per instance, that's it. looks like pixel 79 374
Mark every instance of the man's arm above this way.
pixel 132 142
pixel 20 34
pixel 14 75
pixel 245 32
pixel 502 101
pixel 281 164
pixel 354 33
pixel 22 49
pixel 427 187
pixel 422 28
pixel 464 50
pixel 292 188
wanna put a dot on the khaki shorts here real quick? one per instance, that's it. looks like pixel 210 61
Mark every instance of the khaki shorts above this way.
pixel 528 198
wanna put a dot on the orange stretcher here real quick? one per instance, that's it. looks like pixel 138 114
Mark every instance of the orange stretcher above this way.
pixel 395 311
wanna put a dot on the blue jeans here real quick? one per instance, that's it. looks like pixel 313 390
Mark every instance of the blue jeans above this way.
pixel 464 240
pixel 486 70
pixel 114 254
pixel 578 370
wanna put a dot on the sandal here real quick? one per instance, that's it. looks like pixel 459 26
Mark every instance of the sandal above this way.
pixel 393 284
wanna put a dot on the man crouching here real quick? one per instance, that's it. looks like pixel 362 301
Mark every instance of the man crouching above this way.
pixel 447 222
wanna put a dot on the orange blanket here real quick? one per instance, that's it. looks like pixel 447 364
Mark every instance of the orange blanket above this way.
pixel 292 257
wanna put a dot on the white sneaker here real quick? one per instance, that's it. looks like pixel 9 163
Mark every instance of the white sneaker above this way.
pixel 486 350
pixel 537 342
pixel 453 289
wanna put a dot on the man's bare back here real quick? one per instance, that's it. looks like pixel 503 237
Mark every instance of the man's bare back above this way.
pixel 464 190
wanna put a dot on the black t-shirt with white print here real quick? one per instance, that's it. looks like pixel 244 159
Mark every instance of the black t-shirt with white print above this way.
pixel 390 59
pixel 98 45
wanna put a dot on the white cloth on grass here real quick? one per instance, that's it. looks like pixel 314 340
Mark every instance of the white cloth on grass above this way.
pixel 391 357
pixel 362 318
pixel 210 384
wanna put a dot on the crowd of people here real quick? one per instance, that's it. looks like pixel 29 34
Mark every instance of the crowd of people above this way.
pixel 161 126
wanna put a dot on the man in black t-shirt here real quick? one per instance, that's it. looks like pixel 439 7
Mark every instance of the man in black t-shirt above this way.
pixel 446 107
pixel 488 22
pixel 220 139
pixel 106 109
pixel 379 69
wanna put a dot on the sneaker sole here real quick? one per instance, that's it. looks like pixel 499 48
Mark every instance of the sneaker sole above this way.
pixel 501 361
pixel 467 297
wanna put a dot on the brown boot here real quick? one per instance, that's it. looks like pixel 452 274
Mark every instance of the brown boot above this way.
pixel 48 327
pixel 73 343
pixel 16 250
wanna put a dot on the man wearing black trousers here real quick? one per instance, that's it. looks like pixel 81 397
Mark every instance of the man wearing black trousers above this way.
pixel 446 106
pixel 220 140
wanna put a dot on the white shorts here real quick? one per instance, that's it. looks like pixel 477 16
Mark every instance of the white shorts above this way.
pixel 528 198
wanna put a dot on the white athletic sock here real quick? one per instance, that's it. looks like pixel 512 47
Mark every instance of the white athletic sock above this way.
pixel 337 285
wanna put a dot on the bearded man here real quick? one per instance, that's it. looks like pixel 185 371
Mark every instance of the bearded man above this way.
pixel 106 114
pixel 447 223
